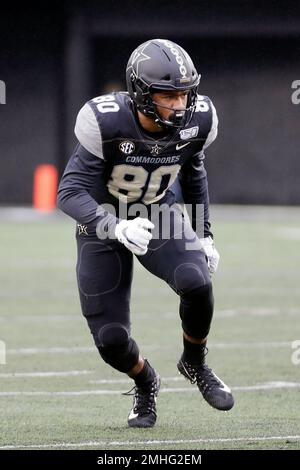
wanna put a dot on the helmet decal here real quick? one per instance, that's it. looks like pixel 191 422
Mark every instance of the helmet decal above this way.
pixel 178 57
pixel 139 56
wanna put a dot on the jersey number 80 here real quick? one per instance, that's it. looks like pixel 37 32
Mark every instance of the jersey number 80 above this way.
pixel 131 183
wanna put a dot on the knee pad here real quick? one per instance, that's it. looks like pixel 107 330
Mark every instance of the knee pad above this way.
pixel 117 348
pixel 196 311
pixel 113 334
pixel 189 276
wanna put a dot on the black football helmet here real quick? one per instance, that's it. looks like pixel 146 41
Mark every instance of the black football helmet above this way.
pixel 157 65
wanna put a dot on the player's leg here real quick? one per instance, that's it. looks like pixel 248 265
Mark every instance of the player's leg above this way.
pixel 104 275
pixel 175 255
pixel 181 262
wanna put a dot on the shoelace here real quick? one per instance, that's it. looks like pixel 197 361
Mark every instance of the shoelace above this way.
pixel 202 375
pixel 144 399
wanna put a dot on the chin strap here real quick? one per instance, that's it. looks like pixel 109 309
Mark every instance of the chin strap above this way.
pixel 176 119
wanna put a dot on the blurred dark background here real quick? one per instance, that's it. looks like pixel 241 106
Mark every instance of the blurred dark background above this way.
pixel 56 56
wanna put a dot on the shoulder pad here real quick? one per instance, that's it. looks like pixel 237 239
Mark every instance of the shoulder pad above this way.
pixel 88 132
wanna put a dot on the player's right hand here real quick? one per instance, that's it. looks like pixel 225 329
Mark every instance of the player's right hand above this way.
pixel 134 234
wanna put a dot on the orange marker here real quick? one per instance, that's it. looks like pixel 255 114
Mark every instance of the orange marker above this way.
pixel 45 187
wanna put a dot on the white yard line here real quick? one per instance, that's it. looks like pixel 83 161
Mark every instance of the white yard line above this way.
pixel 52 350
pixel 127 381
pixel 288 233
pixel 39 318
pixel 135 443
pixel 88 349
pixel 254 345
pixel 220 212
pixel 265 386
pixel 231 312
pixel 247 388
pixel 256 312
pixel 69 373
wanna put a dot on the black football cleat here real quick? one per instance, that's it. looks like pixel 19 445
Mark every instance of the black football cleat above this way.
pixel 143 413
pixel 213 390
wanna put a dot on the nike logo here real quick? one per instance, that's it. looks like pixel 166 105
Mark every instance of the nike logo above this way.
pixel 132 415
pixel 224 387
pixel 180 146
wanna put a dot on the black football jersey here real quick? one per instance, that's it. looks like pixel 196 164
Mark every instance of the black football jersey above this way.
pixel 117 162
pixel 141 167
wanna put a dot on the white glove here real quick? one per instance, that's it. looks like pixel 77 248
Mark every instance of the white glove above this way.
pixel 134 234
pixel 211 253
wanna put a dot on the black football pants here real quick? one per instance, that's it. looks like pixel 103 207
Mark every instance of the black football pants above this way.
pixel 104 274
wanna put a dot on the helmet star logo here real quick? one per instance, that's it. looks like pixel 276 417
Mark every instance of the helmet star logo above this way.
pixel 139 57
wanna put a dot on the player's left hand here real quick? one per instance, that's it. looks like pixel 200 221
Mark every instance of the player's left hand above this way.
pixel 211 252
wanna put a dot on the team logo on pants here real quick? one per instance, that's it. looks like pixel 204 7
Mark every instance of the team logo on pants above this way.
pixel 127 147
pixel 82 229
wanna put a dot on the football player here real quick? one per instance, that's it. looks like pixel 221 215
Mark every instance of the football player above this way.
pixel 132 146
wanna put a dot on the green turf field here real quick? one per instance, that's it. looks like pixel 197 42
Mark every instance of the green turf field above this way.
pixel 56 392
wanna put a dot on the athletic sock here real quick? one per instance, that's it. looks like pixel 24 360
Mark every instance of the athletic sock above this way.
pixel 145 377
pixel 193 353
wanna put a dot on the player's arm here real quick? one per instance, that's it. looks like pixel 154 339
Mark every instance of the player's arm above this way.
pixel 80 175
pixel 194 185
pixel 86 168
pixel 193 180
